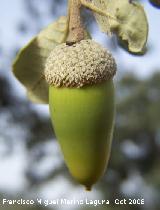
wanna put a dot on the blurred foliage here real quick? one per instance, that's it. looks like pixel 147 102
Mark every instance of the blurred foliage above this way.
pixel 155 3
pixel 136 144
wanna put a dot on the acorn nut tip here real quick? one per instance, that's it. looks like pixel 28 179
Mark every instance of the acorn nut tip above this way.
pixel 83 63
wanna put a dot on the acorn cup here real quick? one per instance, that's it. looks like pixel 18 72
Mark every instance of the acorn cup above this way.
pixel 81 101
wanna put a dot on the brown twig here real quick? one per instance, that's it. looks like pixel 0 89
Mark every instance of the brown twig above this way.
pixel 76 30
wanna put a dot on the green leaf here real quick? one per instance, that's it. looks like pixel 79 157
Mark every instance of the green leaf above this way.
pixel 28 66
pixel 127 20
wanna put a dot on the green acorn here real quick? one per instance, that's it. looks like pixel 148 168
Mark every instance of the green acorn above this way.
pixel 81 101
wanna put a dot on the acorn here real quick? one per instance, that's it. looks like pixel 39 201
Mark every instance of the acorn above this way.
pixel 82 107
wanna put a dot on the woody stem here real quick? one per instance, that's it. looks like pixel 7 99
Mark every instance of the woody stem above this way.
pixel 76 30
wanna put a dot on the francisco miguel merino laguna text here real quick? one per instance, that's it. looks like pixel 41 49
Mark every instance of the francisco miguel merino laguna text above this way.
pixel 61 201
pixel 64 201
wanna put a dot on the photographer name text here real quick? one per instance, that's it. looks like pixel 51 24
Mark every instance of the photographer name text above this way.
pixel 64 201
